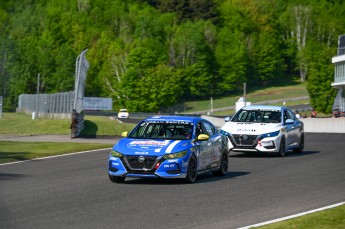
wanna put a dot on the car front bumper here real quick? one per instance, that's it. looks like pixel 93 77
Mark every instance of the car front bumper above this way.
pixel 269 144
pixel 175 168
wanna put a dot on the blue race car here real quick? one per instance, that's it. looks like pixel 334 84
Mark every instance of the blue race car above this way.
pixel 169 147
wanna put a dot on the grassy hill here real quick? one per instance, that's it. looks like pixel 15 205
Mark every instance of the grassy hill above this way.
pixel 296 90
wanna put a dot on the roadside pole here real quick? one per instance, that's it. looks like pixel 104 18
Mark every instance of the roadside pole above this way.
pixel 0 106
pixel 37 95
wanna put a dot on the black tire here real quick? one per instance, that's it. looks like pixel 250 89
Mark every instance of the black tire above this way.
pixel 300 146
pixel 116 179
pixel 223 167
pixel 192 170
pixel 282 148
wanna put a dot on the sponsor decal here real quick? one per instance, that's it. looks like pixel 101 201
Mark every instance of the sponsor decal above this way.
pixel 158 119
pixel 249 130
pixel 148 144
pixel 141 153
pixel 170 166
pixel 266 143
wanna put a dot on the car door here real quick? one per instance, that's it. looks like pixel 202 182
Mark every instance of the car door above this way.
pixel 215 142
pixel 205 148
pixel 292 129
pixel 297 127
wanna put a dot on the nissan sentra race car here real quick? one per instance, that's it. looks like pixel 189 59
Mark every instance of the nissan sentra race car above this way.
pixel 169 147
pixel 261 128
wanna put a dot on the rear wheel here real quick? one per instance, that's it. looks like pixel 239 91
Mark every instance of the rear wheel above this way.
pixel 116 179
pixel 192 170
pixel 300 146
pixel 224 164
pixel 282 148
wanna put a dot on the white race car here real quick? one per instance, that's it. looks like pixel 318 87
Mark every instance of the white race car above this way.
pixel 123 113
pixel 262 128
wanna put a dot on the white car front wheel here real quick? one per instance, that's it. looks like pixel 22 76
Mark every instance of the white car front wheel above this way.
pixel 282 148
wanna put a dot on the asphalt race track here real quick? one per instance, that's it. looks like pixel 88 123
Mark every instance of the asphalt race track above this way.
pixel 74 191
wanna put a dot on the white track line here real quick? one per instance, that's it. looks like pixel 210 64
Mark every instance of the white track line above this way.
pixel 293 216
pixel 62 155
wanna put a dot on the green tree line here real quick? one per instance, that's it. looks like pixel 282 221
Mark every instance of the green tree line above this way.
pixel 151 54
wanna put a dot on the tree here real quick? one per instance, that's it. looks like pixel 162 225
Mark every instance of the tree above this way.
pixel 232 59
pixel 147 85
pixel 297 21
pixel 321 76
pixel 267 59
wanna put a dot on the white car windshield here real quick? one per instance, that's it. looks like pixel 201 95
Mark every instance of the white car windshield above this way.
pixel 163 130
pixel 258 116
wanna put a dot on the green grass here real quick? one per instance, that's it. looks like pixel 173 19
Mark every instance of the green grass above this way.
pixel 98 125
pixel 22 124
pixel 267 94
pixel 328 219
pixel 19 151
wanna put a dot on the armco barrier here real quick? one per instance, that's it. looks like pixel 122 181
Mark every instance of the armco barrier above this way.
pixel 311 125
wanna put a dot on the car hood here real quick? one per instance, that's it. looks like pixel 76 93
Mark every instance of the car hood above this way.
pixel 250 128
pixel 154 147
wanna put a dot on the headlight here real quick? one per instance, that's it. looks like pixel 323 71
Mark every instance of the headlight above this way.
pixel 272 134
pixel 114 153
pixel 223 132
pixel 176 155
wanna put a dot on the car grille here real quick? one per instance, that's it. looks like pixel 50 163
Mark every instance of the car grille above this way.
pixel 134 163
pixel 244 140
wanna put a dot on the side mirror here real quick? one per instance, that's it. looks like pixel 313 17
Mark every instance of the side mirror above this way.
pixel 227 119
pixel 289 121
pixel 124 134
pixel 203 137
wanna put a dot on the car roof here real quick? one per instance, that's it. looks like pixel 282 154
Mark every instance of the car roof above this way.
pixel 263 107
pixel 173 118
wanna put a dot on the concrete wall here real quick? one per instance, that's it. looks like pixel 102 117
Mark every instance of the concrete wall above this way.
pixel 314 125
pixel 324 125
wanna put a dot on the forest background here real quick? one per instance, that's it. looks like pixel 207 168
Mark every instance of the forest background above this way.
pixel 151 54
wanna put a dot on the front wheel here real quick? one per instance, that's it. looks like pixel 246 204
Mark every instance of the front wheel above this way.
pixel 116 179
pixel 300 146
pixel 192 170
pixel 223 167
pixel 282 148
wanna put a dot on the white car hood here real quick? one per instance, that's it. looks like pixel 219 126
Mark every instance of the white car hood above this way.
pixel 250 128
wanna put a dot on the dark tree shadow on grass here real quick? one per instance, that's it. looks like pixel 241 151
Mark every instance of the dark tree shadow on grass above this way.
pixel 90 130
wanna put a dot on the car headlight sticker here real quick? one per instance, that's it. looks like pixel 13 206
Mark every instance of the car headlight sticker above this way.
pixel 272 134
pixel 176 155
pixel 114 153
pixel 223 132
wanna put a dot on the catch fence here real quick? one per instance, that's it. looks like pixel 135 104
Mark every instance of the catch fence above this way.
pixel 53 106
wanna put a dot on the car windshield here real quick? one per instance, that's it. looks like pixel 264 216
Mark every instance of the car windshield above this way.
pixel 259 116
pixel 163 130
